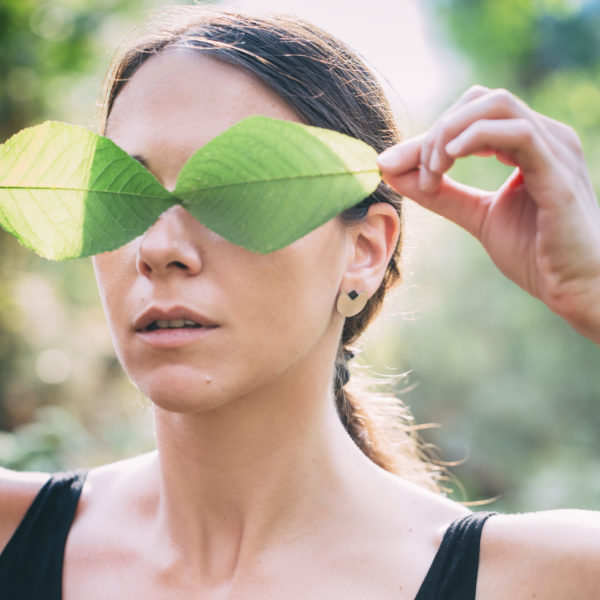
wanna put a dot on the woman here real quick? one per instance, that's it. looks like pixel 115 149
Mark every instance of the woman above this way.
pixel 270 479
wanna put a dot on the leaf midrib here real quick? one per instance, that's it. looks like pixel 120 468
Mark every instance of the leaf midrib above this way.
pixel 72 189
pixel 286 178
pixel 208 187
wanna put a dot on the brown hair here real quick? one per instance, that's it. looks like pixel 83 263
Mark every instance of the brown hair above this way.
pixel 329 86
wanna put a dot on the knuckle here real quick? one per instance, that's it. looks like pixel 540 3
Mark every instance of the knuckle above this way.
pixel 477 129
pixel 476 90
pixel 504 98
pixel 526 131
pixel 573 141
pixel 446 120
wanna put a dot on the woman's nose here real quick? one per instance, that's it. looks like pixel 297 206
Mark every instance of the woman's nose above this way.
pixel 167 247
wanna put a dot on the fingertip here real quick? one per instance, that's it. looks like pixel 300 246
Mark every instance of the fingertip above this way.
pixel 400 157
pixel 389 159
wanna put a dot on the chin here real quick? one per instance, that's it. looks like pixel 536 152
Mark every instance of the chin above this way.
pixel 182 390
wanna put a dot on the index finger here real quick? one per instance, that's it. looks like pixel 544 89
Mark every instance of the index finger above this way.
pixel 401 157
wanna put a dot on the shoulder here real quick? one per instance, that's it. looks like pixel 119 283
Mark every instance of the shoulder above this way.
pixel 118 489
pixel 17 492
pixel 545 555
pixel 103 490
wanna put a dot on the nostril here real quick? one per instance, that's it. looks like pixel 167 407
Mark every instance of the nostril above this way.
pixel 149 268
pixel 178 264
pixel 144 267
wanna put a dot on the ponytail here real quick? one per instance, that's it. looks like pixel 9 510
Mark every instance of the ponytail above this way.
pixel 382 427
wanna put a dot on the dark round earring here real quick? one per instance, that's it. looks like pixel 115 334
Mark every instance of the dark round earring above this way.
pixel 351 303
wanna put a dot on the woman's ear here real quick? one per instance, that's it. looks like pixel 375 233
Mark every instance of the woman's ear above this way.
pixel 374 239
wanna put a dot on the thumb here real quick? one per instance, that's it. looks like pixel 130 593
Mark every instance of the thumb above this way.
pixel 464 205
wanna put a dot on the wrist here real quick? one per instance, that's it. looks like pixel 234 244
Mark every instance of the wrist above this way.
pixel 583 313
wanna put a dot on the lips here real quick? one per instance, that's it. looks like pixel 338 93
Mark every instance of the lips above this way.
pixel 157 318
pixel 165 329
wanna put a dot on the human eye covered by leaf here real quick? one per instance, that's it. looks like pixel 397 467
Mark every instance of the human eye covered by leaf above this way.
pixel 66 192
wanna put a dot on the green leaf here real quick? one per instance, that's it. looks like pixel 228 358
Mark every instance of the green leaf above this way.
pixel 264 183
pixel 66 192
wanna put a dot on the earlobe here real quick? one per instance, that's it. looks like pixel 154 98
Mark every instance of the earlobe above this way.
pixel 375 239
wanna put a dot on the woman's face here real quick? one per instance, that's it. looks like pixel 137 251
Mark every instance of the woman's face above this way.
pixel 249 318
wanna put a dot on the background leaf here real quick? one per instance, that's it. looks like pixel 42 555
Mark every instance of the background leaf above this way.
pixel 66 192
pixel 264 183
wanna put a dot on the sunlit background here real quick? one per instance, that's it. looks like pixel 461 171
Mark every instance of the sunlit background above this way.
pixel 516 393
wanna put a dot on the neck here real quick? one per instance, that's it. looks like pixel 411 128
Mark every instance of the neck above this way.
pixel 258 469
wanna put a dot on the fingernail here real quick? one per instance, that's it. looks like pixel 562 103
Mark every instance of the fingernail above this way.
pixel 435 162
pixel 426 180
pixel 389 158
pixel 453 146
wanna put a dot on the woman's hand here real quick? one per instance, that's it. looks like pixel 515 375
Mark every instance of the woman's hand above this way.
pixel 542 226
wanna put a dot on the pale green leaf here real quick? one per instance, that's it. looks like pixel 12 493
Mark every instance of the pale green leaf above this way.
pixel 66 192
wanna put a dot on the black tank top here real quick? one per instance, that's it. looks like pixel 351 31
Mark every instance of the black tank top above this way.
pixel 31 564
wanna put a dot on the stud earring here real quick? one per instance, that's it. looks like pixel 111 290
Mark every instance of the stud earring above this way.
pixel 352 303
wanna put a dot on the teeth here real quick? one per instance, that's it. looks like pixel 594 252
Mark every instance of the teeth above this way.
pixel 175 324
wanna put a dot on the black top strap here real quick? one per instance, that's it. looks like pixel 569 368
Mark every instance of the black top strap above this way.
pixel 32 561
pixel 453 573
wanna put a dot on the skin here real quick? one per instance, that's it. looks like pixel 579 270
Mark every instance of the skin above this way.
pixel 254 475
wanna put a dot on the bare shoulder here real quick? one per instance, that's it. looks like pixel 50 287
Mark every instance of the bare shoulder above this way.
pixel 120 477
pixel 106 487
pixel 19 489
pixel 544 555
pixel 17 492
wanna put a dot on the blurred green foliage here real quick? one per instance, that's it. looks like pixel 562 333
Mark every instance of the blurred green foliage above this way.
pixel 516 391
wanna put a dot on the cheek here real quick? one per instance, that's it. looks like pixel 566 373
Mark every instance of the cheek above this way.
pixel 294 298
pixel 113 272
